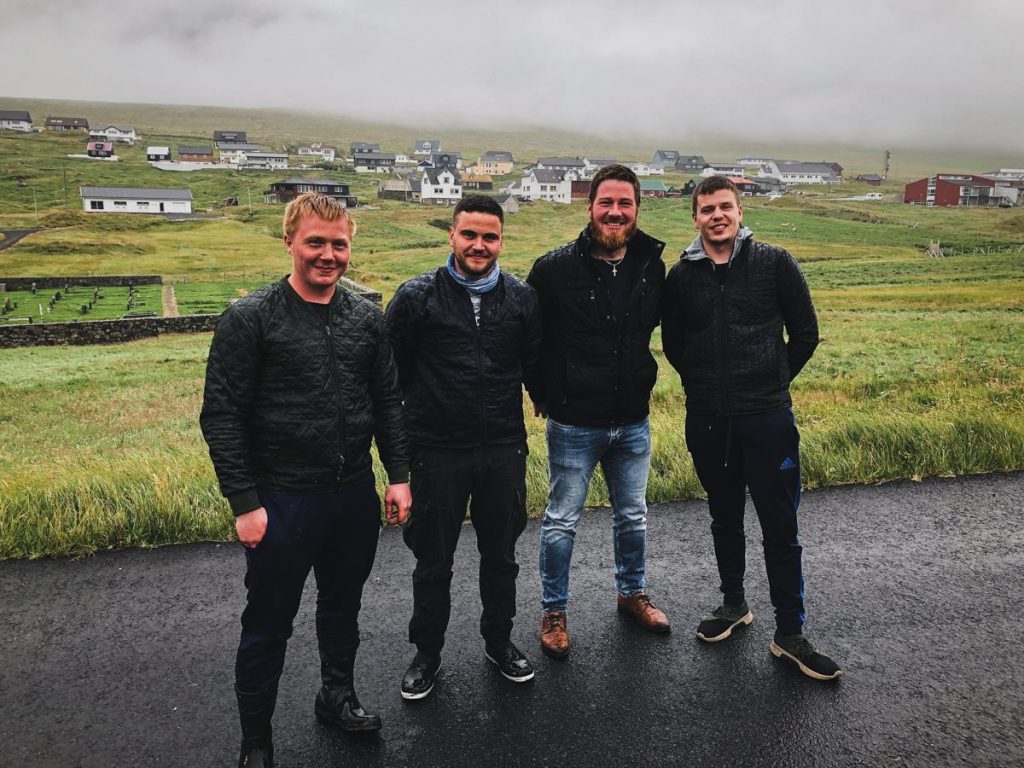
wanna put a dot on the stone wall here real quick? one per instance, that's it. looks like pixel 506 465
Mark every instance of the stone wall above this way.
pixel 102 331
pixel 103 281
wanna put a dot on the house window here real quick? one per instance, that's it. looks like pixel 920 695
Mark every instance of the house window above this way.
pixel 95 205
pixel 143 205
pixel 120 204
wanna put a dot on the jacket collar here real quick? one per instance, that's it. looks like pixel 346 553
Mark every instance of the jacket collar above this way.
pixel 696 250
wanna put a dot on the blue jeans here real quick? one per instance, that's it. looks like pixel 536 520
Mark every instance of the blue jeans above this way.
pixel 624 453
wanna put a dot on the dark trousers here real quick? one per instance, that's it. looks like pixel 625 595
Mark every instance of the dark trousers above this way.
pixel 760 452
pixel 492 480
pixel 333 533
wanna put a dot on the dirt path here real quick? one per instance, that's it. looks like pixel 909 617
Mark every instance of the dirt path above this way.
pixel 170 302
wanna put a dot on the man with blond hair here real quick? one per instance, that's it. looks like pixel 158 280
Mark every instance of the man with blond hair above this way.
pixel 300 378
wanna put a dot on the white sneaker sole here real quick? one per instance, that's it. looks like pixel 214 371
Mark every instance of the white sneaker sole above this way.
pixel 728 630
pixel 416 696
pixel 524 679
pixel 779 652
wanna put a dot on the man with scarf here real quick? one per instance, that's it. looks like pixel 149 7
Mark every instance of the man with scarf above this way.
pixel 466 337
pixel 727 302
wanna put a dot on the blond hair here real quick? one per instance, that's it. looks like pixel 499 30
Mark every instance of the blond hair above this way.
pixel 315 204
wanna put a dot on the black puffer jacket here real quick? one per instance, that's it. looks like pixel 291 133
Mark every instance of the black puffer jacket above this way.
pixel 725 339
pixel 291 403
pixel 463 384
pixel 598 369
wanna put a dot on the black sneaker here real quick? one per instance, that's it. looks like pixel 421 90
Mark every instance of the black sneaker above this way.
pixel 510 661
pixel 419 677
pixel 720 624
pixel 798 650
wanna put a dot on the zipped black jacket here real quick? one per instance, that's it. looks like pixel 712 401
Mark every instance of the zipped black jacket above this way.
pixel 463 384
pixel 726 340
pixel 291 404
pixel 598 369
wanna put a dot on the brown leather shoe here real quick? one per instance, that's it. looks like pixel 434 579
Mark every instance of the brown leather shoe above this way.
pixel 554 637
pixel 647 616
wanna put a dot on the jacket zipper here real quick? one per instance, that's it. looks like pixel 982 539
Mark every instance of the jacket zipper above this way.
pixel 337 386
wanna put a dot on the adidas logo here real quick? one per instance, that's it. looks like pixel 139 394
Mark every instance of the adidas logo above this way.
pixel 787 464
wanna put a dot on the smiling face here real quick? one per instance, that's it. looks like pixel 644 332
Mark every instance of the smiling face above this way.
pixel 718 218
pixel 320 252
pixel 613 214
pixel 475 238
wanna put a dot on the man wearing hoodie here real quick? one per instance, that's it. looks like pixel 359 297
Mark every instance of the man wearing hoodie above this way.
pixel 726 304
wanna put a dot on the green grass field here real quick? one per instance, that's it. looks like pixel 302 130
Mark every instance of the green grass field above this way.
pixel 919 371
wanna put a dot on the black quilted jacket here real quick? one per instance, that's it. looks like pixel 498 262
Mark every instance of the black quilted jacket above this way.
pixel 726 340
pixel 598 369
pixel 463 385
pixel 291 404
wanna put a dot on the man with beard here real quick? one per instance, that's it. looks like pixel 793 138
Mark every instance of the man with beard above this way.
pixel 300 377
pixel 726 304
pixel 466 337
pixel 600 297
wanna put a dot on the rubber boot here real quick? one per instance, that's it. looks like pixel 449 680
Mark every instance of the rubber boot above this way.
pixel 337 704
pixel 255 711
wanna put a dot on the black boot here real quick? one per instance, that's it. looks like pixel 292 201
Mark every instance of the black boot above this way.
pixel 255 711
pixel 336 704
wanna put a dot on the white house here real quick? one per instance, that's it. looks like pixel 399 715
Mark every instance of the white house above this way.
pixel 753 161
pixel 15 120
pixel 546 184
pixel 319 150
pixel 231 153
pixel 799 173
pixel 645 169
pixel 122 133
pixel 440 186
pixel 561 164
pixel 135 200
pixel 156 154
pixel 592 163
pixel 722 169
pixel 264 161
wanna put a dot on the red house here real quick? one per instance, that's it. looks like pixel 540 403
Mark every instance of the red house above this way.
pixel 951 189
pixel 99 149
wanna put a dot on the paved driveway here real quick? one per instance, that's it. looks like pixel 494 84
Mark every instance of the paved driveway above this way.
pixel 125 658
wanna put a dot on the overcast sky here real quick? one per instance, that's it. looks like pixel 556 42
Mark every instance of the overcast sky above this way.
pixel 932 72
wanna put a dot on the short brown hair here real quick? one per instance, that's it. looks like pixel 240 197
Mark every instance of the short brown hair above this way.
pixel 616 173
pixel 315 204
pixel 478 204
pixel 713 184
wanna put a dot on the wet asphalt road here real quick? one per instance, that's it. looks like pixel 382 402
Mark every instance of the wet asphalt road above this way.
pixel 126 658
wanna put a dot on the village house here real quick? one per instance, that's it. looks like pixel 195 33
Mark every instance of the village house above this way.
pixel 15 120
pixel 641 168
pixel 753 161
pixel 451 160
pixel 1006 174
pixel 99 149
pixel 477 182
pixel 124 134
pixel 664 158
pixel 263 161
pixel 593 163
pixel 690 163
pixel 546 184
pixel 795 172
pixel 316 149
pixel 135 200
pixel 872 179
pixel 193 154
pixel 507 201
pixel 157 154
pixel 747 187
pixel 722 169
pixel 233 153
pixel 373 162
pixel 362 146
pixel 440 186
pixel 493 163
pixel 562 164
pixel 653 188
pixel 960 189
pixel 286 190
pixel 427 147
pixel 67 124
pixel 230 137
pixel 396 189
